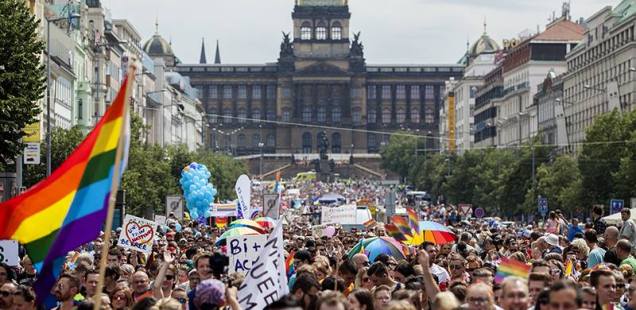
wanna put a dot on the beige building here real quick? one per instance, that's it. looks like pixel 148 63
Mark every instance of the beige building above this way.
pixel 601 70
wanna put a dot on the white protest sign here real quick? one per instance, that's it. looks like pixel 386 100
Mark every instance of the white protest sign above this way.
pixel 271 206
pixel 174 204
pixel 9 252
pixel 243 188
pixel 223 210
pixel 243 251
pixel 266 282
pixel 338 215
pixel 137 234
pixel 160 219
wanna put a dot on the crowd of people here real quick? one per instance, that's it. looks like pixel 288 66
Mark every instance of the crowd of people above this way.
pixel 572 265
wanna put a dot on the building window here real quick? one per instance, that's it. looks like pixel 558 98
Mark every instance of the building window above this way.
pixel 305 31
pixel 271 140
pixel 415 115
pixel 336 143
pixel 400 116
pixel 227 116
pixel 213 92
pixel 386 92
pixel 256 91
pixel 242 140
pixel 307 142
pixel 371 92
pixel 400 92
pixel 386 116
pixel 271 91
pixel 286 115
pixel 429 92
pixel 242 116
pixel 429 115
pixel 242 92
pixel 271 114
pixel 371 115
pixel 372 141
pixel 306 114
pixel 286 92
pixel 336 31
pixel 415 92
pixel 336 114
pixel 256 139
pixel 322 114
pixel 321 32
pixel 256 115
pixel 227 92
pixel 356 116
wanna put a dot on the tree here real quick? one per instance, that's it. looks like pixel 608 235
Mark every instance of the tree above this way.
pixel 399 155
pixel 558 182
pixel 21 77
pixel 63 142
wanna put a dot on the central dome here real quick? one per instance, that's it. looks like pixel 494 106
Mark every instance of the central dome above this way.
pixel 157 46
pixel 484 45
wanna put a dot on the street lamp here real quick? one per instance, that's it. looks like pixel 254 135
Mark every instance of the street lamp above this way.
pixel 260 169
pixel 48 86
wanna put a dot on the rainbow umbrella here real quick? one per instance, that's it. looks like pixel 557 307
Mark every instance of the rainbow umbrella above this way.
pixel 234 232
pixel 265 221
pixel 249 224
pixel 375 246
pixel 435 233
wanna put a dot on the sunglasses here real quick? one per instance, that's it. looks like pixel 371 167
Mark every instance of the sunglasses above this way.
pixel 169 277
pixel 5 293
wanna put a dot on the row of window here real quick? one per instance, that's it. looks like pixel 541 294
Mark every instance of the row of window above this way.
pixel 335 142
pixel 238 91
pixel 602 49
pixel 320 31
pixel 400 116
pixel 385 91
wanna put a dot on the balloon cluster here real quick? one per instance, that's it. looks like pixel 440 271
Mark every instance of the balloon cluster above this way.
pixel 198 193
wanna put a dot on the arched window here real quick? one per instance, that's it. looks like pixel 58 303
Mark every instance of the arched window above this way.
pixel 306 142
pixel 336 143
pixel 322 114
pixel 386 116
pixel 415 115
pixel 242 140
pixel 286 115
pixel 305 31
pixel 271 140
pixel 256 114
pixel 400 116
pixel 336 114
pixel 356 116
pixel 371 115
pixel 306 113
pixel 242 115
pixel 256 139
pixel 336 31
pixel 227 113
pixel 372 141
pixel 321 32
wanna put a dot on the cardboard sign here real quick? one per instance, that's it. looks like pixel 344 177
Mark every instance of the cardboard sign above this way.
pixel 160 219
pixel 137 234
pixel 9 252
pixel 174 204
pixel 243 251
pixel 223 210
pixel 271 205
pixel 339 215
pixel 243 188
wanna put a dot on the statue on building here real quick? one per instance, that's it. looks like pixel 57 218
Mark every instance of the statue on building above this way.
pixel 286 47
pixel 356 46
pixel 323 145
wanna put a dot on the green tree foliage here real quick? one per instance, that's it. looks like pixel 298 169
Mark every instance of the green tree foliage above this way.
pixel 559 182
pixel 21 75
pixel 399 155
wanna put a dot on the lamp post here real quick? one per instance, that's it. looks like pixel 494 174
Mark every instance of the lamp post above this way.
pixel 260 169
pixel 48 87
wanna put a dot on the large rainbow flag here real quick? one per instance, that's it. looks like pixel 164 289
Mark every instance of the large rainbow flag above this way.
pixel 510 267
pixel 68 208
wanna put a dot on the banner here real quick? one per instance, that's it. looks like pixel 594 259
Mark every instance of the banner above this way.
pixel 271 205
pixel 339 215
pixel 243 251
pixel 223 210
pixel 266 282
pixel 174 204
pixel 9 252
pixel 137 234
pixel 243 190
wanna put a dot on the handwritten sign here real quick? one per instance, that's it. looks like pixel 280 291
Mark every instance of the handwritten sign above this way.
pixel 174 204
pixel 9 252
pixel 138 234
pixel 243 251
pixel 339 215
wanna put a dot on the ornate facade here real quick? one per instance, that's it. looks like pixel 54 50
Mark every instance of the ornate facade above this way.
pixel 320 85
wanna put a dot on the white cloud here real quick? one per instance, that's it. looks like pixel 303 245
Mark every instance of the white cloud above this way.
pixel 393 31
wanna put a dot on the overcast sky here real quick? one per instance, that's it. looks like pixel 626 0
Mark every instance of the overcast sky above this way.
pixel 393 31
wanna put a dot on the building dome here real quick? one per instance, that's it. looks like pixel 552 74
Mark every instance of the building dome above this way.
pixel 484 45
pixel 157 46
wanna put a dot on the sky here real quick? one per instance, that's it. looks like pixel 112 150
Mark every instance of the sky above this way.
pixel 393 31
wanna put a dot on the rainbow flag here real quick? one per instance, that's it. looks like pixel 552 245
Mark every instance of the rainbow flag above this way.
pixel 68 208
pixel 394 232
pixel 289 264
pixel 413 220
pixel 220 222
pixel 510 267
pixel 401 223
pixel 370 223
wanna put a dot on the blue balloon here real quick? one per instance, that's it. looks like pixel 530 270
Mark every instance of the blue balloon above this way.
pixel 198 192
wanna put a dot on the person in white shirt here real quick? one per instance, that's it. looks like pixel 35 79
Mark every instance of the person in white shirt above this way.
pixel 441 273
